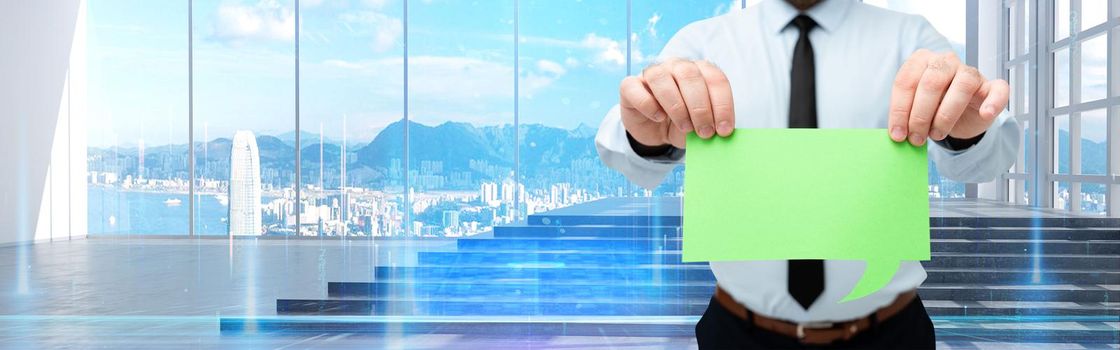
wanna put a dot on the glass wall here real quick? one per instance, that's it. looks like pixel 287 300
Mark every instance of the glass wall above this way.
pixel 460 117
pixel 572 57
pixel 1080 101
pixel 137 156
pixel 351 104
pixel 653 23
pixel 945 16
pixel 547 69
pixel 244 117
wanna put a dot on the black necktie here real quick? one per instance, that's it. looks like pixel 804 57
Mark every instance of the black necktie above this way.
pixel 806 277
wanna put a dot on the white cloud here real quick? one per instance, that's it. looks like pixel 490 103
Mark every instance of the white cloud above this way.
pixel 386 30
pixel 592 51
pixel 731 6
pixel 266 20
pixel 547 72
pixel 449 84
pixel 375 4
pixel 606 50
pixel 636 57
pixel 651 24
pixel 453 78
pixel 551 67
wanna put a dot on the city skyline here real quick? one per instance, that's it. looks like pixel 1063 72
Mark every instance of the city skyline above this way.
pixel 244 186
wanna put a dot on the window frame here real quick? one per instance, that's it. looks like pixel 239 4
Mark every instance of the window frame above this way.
pixel 1041 158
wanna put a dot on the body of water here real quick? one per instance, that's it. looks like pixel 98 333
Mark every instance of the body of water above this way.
pixel 115 212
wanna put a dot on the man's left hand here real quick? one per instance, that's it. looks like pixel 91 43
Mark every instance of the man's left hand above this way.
pixel 935 96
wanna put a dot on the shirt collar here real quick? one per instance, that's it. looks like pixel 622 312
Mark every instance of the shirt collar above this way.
pixel 828 14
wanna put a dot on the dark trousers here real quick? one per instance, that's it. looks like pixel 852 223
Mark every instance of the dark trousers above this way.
pixel 909 329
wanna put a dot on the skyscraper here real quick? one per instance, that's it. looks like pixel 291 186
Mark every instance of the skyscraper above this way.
pixel 244 186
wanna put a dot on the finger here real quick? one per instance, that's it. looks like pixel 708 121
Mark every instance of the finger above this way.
pixel 660 81
pixel 676 137
pixel 633 94
pixel 902 94
pixel 931 89
pixel 997 93
pixel 719 91
pixel 694 90
pixel 965 84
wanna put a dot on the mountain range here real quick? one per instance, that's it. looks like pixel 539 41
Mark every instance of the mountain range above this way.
pixel 475 153
pixel 482 152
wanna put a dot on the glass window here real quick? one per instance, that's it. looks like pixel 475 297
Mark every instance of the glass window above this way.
pixel 572 58
pixel 1061 77
pixel 137 118
pixel 1062 195
pixel 1062 19
pixel 1094 68
pixel 244 117
pixel 1093 13
pixel 1094 142
pixel 1061 144
pixel 460 109
pixel 1094 159
pixel 351 102
pixel 653 23
pixel 945 16
pixel 1019 27
pixel 1016 84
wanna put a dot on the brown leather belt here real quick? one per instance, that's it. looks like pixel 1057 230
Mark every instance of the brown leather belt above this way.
pixel 816 332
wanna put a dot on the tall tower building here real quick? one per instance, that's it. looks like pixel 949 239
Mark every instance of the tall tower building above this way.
pixel 244 186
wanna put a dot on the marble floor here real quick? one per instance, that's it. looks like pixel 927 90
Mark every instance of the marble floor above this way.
pixel 170 293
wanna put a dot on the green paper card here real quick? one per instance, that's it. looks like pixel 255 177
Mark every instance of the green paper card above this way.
pixel 780 194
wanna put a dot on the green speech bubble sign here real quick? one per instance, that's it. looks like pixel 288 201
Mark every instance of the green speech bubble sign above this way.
pixel 834 194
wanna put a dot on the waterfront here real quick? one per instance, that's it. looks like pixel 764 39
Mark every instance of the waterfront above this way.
pixel 113 211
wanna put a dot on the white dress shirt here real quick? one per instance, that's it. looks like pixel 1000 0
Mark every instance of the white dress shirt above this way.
pixel 858 50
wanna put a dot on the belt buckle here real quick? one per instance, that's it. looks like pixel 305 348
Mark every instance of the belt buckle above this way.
pixel 811 325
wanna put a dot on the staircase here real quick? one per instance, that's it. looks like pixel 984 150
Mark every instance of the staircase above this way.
pixel 614 265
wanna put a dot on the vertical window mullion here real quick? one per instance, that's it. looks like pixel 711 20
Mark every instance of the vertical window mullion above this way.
pixel 1113 122
pixel 1075 56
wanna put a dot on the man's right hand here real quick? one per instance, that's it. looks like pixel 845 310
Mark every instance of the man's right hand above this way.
pixel 673 98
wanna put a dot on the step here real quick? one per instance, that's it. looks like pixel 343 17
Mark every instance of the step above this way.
pixel 549 272
pixel 984 292
pixel 604 231
pixel 646 273
pixel 682 289
pixel 1030 222
pixel 1047 233
pixel 609 231
pixel 485 305
pixel 1008 276
pixel 568 243
pixel 1024 261
pixel 500 288
pixel 1105 247
pixel 674 219
pixel 995 246
pixel 1020 308
pixel 1008 333
pixel 490 305
pixel 622 258
pixel 552 256
pixel 628 326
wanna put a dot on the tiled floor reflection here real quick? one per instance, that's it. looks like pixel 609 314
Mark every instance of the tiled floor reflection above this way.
pixel 515 287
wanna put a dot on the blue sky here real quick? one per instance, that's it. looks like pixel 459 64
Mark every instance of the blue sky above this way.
pixel 572 55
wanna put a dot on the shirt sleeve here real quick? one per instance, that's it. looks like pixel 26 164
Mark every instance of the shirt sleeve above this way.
pixel 997 149
pixel 614 146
